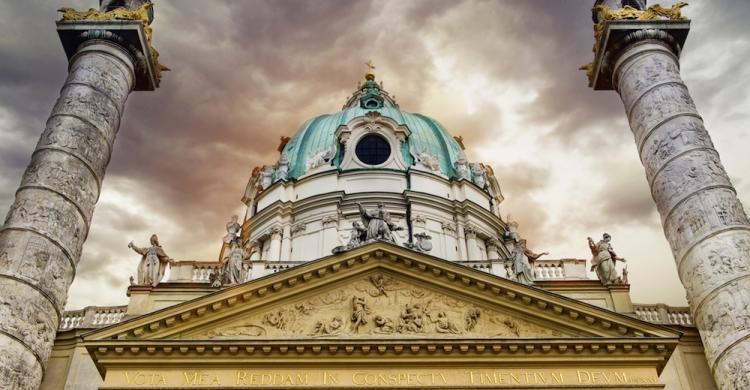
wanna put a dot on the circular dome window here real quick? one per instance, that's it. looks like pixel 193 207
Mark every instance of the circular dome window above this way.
pixel 373 150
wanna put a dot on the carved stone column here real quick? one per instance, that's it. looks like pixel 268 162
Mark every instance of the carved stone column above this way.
pixel 703 220
pixel 472 249
pixel 286 243
pixel 274 251
pixel 329 235
pixel 44 231
pixel 461 238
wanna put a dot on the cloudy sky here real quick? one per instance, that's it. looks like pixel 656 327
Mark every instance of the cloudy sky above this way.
pixel 502 74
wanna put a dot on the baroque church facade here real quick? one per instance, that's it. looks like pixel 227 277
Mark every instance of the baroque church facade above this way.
pixel 372 254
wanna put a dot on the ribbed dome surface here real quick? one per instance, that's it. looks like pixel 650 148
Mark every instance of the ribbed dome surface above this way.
pixel 319 133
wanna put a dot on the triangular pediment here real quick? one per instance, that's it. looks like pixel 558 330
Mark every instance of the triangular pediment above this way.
pixel 381 291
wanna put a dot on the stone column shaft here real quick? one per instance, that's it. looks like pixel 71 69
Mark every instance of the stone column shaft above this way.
pixel 461 239
pixel 286 244
pixel 703 220
pixel 472 249
pixel 41 240
pixel 274 251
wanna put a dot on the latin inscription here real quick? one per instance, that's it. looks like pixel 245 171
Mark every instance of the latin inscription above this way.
pixel 405 378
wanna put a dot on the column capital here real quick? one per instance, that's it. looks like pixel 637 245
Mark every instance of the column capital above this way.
pixel 127 28
pixel 618 29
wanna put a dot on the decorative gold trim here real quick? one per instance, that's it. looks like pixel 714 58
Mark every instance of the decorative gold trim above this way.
pixel 627 12
pixel 140 14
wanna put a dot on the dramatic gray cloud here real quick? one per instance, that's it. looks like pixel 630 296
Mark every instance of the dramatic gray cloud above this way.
pixel 503 74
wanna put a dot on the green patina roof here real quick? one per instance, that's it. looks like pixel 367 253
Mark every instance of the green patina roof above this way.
pixel 319 134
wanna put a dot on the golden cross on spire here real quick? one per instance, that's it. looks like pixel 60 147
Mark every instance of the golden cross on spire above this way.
pixel 370 66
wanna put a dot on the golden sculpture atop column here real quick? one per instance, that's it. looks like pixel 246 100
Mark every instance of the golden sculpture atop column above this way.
pixel 602 13
pixel 134 10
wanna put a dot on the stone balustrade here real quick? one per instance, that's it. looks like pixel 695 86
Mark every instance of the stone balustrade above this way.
pixel 558 269
pixel 549 269
pixel 663 314
pixel 92 317
pixel 481 265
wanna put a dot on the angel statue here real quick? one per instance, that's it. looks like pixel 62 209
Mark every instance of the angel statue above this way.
pixel 233 230
pixel 378 223
pixel 153 263
pixel 604 259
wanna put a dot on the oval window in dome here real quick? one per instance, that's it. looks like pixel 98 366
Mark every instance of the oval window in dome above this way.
pixel 373 150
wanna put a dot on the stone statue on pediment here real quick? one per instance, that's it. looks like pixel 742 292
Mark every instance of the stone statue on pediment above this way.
pixel 233 230
pixel 603 260
pixel 153 263
pixel 233 267
pixel 522 262
pixel 378 223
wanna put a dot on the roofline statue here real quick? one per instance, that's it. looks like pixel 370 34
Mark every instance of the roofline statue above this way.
pixel 603 260
pixel 153 263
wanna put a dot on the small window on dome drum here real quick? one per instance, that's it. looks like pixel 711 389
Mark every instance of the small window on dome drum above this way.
pixel 373 150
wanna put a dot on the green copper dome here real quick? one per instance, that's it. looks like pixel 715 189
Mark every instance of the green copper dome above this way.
pixel 319 134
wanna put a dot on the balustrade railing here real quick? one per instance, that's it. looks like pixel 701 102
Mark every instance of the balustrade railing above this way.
pixel 92 317
pixel 549 269
pixel 662 314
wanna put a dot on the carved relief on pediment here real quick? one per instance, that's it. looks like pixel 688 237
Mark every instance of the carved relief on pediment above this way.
pixel 381 306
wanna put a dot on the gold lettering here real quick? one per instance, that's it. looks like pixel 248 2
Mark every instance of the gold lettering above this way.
pixel 620 378
pixel 330 379
pixel 127 378
pixel 471 377
pixel 263 378
pixel 557 377
pixel 188 380
pixel 580 376
pixel 241 378
pixel 445 380
pixel 595 374
pixel 539 378
pixel 356 378
pixel 515 378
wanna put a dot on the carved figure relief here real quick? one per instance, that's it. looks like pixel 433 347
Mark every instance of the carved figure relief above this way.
pixel 736 364
pixel 422 243
pixel 463 171
pixel 360 311
pixel 714 262
pixel 727 321
pixel 51 215
pixel 332 327
pixel 266 176
pixel 379 304
pixel 425 159
pixel 479 175
pixel 282 168
pixel 320 158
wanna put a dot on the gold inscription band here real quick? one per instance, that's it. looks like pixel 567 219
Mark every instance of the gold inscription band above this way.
pixel 378 378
